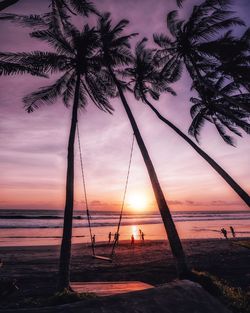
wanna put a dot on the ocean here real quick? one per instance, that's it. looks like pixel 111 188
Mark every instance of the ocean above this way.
pixel 44 227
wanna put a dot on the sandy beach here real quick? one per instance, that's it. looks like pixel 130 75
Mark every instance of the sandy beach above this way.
pixel 35 268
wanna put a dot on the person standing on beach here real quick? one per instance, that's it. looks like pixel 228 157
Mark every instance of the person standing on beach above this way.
pixel 93 240
pixel 132 240
pixel 110 236
pixel 224 232
pixel 232 231
pixel 116 237
pixel 142 236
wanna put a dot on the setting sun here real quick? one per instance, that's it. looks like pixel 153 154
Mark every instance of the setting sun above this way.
pixel 137 202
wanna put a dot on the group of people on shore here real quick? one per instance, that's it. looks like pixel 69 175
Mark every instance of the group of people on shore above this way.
pixel 117 236
pixel 225 233
pixel 141 235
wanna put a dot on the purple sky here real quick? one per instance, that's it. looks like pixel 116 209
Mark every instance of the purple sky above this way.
pixel 33 146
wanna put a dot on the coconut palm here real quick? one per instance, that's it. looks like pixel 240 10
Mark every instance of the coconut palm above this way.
pixel 146 81
pixel 212 107
pixel 190 38
pixel 82 79
pixel 233 58
pixel 115 52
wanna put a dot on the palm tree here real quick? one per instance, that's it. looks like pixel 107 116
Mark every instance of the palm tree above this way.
pixel 191 38
pixel 212 107
pixel 82 79
pixel 144 75
pixel 233 58
pixel 115 52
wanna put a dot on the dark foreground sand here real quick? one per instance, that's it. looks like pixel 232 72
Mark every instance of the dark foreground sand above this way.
pixel 35 268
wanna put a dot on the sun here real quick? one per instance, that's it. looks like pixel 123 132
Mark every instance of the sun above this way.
pixel 137 202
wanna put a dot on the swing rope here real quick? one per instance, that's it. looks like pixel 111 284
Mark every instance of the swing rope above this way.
pixel 86 199
pixel 123 200
pixel 85 190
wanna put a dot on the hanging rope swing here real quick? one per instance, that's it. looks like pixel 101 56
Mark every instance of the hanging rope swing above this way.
pixel 111 255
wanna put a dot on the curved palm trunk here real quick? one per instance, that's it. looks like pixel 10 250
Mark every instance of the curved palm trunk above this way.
pixel 173 237
pixel 7 3
pixel 241 193
pixel 65 254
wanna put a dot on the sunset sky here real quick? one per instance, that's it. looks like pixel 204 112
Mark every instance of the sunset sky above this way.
pixel 33 146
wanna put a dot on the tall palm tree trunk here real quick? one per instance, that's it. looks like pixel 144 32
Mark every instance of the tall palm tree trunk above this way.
pixel 173 237
pixel 65 254
pixel 241 193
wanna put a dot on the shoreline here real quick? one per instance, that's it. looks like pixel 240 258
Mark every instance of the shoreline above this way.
pixel 124 242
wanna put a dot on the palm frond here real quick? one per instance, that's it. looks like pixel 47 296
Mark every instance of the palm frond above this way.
pixel 228 123
pixel 162 40
pixel 196 108
pixel 37 60
pixel 24 20
pixel 228 139
pixel 197 124
pixel 45 95
pixel 8 68
pixel 179 3
pixel 207 32
pixel 69 90
pixel 172 22
pixel 57 40
pixel 83 7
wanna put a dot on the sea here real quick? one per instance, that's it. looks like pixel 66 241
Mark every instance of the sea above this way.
pixel 44 227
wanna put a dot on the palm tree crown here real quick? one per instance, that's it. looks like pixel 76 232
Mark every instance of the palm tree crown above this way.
pixel 231 58
pixel 193 45
pixel 145 76
pixel 75 54
pixel 210 106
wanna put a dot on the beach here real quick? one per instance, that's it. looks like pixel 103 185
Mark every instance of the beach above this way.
pixel 35 268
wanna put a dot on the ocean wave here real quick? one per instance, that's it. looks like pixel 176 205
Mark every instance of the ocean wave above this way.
pixel 38 219
pixel 111 223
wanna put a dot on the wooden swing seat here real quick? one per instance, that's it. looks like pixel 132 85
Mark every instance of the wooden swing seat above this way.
pixel 100 257
pixel 109 288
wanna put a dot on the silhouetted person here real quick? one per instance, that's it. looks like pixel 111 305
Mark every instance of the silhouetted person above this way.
pixel 142 236
pixel 232 231
pixel 224 232
pixel 116 237
pixel 110 236
pixel 140 233
pixel 132 240
pixel 93 240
